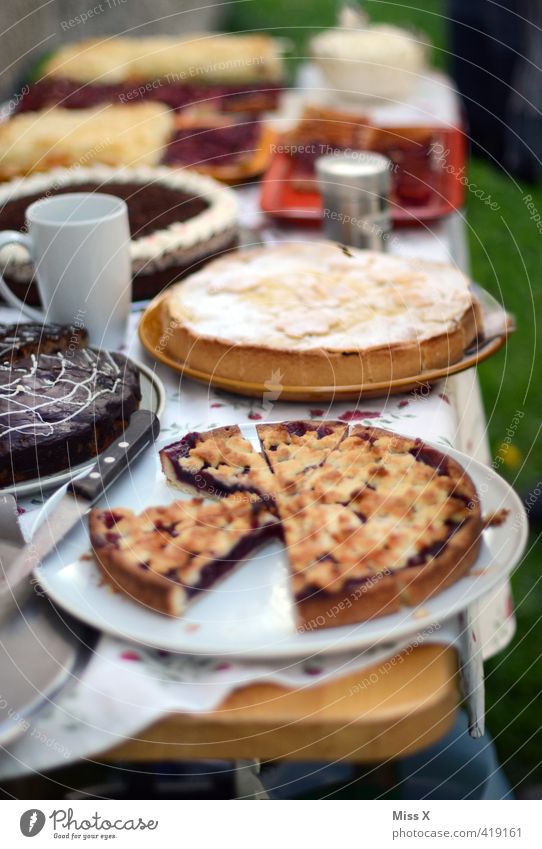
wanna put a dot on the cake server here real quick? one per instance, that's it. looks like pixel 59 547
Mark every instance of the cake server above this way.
pixel 71 507
pixel 41 651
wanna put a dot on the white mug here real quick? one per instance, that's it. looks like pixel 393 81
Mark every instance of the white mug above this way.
pixel 80 246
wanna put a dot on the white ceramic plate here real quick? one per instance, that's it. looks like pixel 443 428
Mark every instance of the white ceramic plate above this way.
pixel 250 613
pixel 153 397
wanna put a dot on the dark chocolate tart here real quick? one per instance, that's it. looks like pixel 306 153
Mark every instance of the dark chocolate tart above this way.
pixel 178 220
pixel 19 341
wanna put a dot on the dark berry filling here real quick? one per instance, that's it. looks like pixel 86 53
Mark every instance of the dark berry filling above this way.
pixel 301 428
pixel 216 569
pixel 110 519
pixel 112 538
pixel 70 94
pixel 206 483
pixel 213 145
pixel 322 431
pixel 183 447
pixel 296 428
pixel 431 457
pixel 436 548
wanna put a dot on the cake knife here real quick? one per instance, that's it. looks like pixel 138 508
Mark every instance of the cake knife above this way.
pixel 71 508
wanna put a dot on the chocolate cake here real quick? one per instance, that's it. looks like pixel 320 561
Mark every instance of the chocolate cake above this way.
pixel 19 341
pixel 58 410
pixel 178 220
pixel 151 207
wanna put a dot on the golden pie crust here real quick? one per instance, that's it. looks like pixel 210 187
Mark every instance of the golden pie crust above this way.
pixel 319 314
pixel 372 521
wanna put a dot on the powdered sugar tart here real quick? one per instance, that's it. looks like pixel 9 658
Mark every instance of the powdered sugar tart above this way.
pixel 319 314
pixel 407 526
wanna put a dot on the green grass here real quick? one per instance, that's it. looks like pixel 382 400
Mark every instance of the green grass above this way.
pixel 506 258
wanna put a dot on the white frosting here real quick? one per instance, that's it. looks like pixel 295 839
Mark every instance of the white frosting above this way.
pixel 317 296
pixel 221 214
pixel 24 410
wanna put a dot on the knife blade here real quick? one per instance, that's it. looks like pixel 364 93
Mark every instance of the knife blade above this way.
pixel 71 508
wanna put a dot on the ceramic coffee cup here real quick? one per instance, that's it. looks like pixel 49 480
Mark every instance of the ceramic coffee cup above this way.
pixel 80 246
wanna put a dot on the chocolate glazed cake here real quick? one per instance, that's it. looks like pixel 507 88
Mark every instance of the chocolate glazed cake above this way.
pixel 178 220
pixel 19 341
pixel 60 409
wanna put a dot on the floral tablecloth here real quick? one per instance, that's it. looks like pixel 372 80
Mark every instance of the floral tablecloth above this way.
pixel 125 686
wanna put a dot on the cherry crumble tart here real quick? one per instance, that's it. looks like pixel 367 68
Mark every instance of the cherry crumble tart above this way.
pixel 372 521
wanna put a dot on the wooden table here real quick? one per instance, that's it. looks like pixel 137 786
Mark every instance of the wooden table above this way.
pixel 386 711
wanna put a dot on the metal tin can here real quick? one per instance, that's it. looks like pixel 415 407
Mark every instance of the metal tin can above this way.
pixel 355 189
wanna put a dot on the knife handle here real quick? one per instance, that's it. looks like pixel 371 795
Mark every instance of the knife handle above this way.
pixel 141 432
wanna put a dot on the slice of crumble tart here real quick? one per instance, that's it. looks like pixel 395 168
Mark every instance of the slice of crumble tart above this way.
pixel 293 449
pixel 166 556
pixel 217 463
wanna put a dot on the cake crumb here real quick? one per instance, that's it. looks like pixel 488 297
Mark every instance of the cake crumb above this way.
pixel 496 519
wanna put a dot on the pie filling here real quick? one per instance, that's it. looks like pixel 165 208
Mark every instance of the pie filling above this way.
pixel 213 146
pixel 431 457
pixel 204 479
pixel 70 94
pixel 176 531
pixel 216 569
pixel 206 482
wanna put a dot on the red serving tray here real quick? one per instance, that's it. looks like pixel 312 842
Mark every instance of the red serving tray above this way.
pixel 280 199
